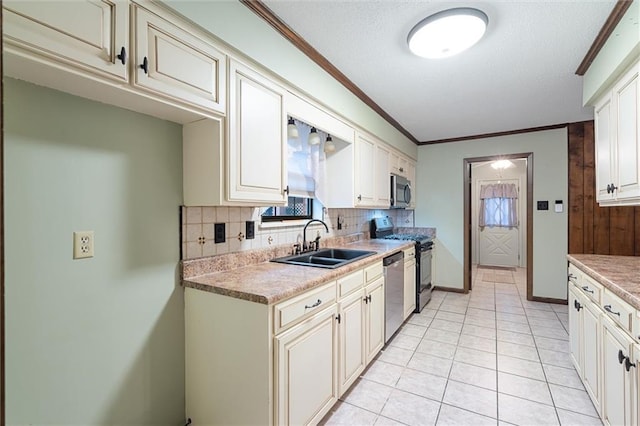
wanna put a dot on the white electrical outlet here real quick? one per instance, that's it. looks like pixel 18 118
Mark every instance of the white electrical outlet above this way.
pixel 82 244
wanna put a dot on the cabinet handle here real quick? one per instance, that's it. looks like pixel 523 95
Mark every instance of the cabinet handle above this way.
pixel 572 276
pixel 621 356
pixel 401 169
pixel 577 305
pixel 613 188
pixel 586 288
pixel 286 190
pixel 608 309
pixel 122 56
pixel 145 65
pixel 338 318
pixel 628 364
pixel 609 189
pixel 314 305
pixel 360 197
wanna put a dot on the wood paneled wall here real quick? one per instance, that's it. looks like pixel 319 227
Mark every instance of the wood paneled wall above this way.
pixel 594 229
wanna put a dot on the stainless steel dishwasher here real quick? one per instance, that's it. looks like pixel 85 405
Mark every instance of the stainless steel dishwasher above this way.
pixel 393 293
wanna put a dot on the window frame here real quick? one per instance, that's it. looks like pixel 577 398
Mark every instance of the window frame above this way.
pixel 284 218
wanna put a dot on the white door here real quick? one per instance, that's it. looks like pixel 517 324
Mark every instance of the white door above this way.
pixel 365 172
pixel 499 246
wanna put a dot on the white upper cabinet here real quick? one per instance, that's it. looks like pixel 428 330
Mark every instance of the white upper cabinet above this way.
pixel 617 131
pixel 143 58
pixel 383 182
pixel 257 167
pixel 173 62
pixel 244 161
pixel 91 35
pixel 365 171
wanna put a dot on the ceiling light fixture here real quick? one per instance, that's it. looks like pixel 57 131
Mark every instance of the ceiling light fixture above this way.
pixel 501 164
pixel 329 146
pixel 292 130
pixel 448 32
pixel 314 137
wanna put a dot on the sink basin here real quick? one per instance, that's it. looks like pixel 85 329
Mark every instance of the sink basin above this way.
pixel 325 258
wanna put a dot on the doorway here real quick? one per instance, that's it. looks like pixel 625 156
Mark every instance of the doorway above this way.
pixel 509 246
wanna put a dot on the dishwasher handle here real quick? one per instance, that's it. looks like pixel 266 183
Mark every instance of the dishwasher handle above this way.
pixel 394 258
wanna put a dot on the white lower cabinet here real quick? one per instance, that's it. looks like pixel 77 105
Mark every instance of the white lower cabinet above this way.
pixel 617 383
pixel 306 382
pixel 283 364
pixel 409 282
pixel 591 342
pixel 603 349
pixel 575 327
pixel 374 318
pixel 361 322
pixel 351 330
pixel 636 372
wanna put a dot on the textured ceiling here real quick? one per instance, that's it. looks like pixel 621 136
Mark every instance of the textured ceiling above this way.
pixel 520 75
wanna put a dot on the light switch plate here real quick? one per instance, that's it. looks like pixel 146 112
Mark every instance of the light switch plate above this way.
pixel 82 244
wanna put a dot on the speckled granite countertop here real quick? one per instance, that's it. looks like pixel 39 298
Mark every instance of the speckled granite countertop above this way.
pixel 620 274
pixel 270 282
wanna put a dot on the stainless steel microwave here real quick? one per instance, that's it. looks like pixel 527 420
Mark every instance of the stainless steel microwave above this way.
pixel 400 192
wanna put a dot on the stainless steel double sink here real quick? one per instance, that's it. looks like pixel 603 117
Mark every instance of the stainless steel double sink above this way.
pixel 326 258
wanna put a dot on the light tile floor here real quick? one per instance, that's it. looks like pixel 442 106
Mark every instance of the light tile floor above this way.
pixel 485 358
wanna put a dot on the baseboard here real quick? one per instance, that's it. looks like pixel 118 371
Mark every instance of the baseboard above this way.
pixel 450 289
pixel 549 300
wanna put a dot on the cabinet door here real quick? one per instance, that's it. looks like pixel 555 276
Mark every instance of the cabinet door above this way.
pixel 411 175
pixel 627 133
pixel 576 307
pixel 604 154
pixel 617 386
pixel 636 378
pixel 351 332
pixel 403 166
pixel 179 65
pixel 590 350
pixel 256 162
pixel 85 34
pixel 383 182
pixel 365 172
pixel 409 287
pixel 374 322
pixel 306 381
pixel 394 163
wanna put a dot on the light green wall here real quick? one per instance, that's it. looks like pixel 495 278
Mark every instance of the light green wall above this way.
pixel 620 50
pixel 251 35
pixel 101 340
pixel 440 203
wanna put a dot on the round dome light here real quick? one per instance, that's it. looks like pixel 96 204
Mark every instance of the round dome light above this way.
pixel 447 33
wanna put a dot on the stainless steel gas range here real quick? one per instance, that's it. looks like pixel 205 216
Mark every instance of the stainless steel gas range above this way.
pixel 382 227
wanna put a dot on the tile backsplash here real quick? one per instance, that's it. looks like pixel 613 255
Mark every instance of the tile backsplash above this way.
pixel 198 228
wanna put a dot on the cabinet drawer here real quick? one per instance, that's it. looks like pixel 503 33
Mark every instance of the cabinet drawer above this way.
pixel 574 275
pixel 292 311
pixel 618 310
pixel 591 288
pixel 409 253
pixel 350 283
pixel 372 272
